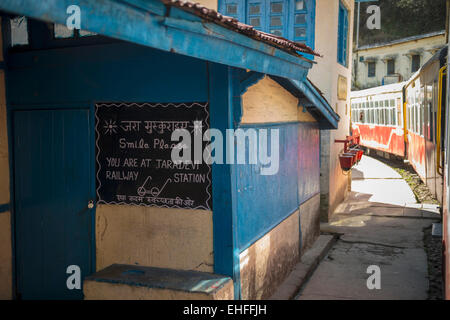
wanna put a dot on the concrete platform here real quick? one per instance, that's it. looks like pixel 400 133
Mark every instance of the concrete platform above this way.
pixel 380 224
pixel 128 282
pixel 381 183
pixel 370 168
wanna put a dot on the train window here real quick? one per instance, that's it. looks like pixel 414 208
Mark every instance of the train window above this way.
pixel 382 113
pixel 409 119
pixel 399 113
pixel 393 117
pixel 388 117
pixel 392 103
pixel 388 112
pixel 416 118
pixel 422 120
pixel 427 118
pixel 375 113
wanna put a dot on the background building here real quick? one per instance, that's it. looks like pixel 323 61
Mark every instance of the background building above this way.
pixel 395 61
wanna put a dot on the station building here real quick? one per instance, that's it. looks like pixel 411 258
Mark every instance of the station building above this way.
pixel 74 202
pixel 327 26
pixel 394 61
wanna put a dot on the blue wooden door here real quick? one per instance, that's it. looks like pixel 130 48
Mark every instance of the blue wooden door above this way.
pixel 52 188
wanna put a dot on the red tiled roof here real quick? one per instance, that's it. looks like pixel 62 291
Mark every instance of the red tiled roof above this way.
pixel 231 23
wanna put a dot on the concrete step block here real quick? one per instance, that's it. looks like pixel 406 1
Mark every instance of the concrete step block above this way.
pixel 128 282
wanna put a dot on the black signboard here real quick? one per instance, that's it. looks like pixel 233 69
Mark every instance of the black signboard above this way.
pixel 134 162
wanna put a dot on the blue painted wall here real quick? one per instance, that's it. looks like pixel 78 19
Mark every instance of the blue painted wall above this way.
pixel 265 201
pixel 78 77
pixel 308 160
pixel 110 72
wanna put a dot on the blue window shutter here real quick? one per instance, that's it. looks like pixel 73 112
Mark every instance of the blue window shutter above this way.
pixel 224 5
pixel 345 39
pixel 302 30
pixel 281 29
pixel 251 16
pixel 340 34
pixel 343 35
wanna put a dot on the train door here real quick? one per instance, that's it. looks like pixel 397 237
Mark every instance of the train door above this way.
pixel 52 188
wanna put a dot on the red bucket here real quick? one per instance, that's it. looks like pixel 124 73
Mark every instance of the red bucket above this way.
pixel 359 153
pixel 354 154
pixel 346 161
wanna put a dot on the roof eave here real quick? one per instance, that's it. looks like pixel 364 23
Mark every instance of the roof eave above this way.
pixel 311 99
pixel 151 23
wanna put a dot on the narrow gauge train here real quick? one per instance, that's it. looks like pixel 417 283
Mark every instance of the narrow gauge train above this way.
pixel 409 120
pixel 377 116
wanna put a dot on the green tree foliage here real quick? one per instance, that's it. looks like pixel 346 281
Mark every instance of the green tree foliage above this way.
pixel 402 18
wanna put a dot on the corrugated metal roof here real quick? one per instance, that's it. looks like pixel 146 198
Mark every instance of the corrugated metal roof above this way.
pixel 233 24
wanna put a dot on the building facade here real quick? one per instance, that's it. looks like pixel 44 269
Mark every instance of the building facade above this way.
pixel 325 26
pixel 332 75
pixel 89 190
pixel 395 61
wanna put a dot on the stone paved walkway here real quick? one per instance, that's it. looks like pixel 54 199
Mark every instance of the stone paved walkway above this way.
pixel 380 224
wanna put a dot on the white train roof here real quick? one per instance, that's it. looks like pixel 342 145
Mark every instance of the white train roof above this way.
pixel 389 88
